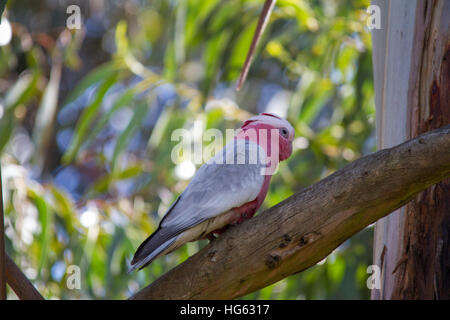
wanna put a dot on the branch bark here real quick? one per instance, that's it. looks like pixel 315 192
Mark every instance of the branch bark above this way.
pixel 302 230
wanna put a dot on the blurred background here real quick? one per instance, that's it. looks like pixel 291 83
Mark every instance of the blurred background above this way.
pixel 86 118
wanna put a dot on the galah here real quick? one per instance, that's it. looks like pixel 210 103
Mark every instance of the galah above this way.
pixel 226 190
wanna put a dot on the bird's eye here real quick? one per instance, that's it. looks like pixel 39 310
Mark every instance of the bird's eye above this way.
pixel 284 132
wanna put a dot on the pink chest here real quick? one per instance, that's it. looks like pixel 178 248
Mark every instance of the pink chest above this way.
pixel 247 210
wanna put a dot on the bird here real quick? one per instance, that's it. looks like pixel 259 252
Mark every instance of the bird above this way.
pixel 226 190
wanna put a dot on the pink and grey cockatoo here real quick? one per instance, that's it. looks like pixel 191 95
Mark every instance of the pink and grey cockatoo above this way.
pixel 226 190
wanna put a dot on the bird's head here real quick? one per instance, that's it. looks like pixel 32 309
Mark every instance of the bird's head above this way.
pixel 267 123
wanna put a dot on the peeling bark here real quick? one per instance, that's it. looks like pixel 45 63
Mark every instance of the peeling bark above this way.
pixel 424 269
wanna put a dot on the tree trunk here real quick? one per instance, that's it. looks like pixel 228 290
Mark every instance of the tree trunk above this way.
pixel 412 83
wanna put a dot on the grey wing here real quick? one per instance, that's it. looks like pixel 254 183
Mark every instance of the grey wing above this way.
pixel 217 187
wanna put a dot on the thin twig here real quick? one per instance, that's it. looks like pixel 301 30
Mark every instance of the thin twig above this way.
pixel 262 23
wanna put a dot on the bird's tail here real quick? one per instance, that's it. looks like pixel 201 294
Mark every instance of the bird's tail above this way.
pixel 150 249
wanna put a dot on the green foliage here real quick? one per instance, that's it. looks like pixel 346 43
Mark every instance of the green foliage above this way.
pixel 96 184
pixel 2 8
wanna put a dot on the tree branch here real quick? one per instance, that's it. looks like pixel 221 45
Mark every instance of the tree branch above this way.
pixel 20 284
pixel 302 230
pixel 262 22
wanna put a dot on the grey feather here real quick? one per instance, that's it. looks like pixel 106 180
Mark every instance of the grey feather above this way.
pixel 219 185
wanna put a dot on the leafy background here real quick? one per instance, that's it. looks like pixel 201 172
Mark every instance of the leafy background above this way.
pixel 86 118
